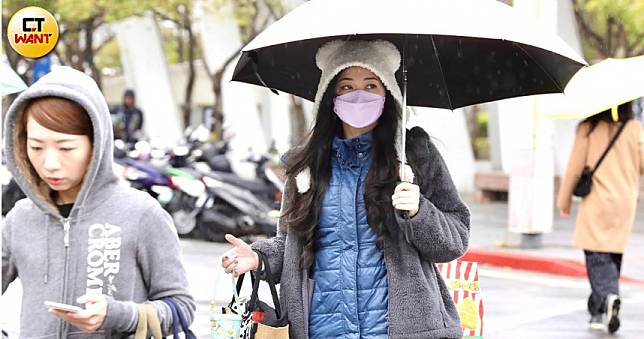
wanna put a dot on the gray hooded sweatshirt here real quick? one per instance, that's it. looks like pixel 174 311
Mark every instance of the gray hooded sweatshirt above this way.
pixel 117 241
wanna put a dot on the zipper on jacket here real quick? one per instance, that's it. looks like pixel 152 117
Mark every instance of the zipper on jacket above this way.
pixel 357 251
pixel 66 226
pixel 66 231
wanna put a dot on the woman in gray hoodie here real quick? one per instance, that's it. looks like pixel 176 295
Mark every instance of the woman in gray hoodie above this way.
pixel 355 250
pixel 82 237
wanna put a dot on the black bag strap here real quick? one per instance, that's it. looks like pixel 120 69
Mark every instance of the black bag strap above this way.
pixel 267 276
pixel 240 280
pixel 612 142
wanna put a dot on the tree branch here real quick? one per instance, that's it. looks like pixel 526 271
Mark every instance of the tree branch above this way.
pixel 98 20
pixel 223 66
pixel 104 43
pixel 593 38
pixel 271 10
pixel 631 46
pixel 610 24
pixel 639 52
pixel 163 16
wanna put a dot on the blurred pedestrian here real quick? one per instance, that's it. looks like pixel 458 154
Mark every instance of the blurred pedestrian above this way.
pixel 129 119
pixel 606 215
pixel 356 247
pixel 81 237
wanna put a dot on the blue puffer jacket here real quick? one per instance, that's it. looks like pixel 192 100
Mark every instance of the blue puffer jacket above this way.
pixel 351 291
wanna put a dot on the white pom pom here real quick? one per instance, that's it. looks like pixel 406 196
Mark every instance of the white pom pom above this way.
pixel 406 174
pixel 303 180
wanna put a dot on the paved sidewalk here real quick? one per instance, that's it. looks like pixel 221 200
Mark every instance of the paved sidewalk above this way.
pixel 492 244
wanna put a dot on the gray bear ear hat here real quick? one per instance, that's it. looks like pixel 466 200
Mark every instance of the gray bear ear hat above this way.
pixel 380 57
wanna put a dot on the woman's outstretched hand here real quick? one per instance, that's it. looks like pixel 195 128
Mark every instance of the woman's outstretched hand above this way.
pixel 240 259
pixel 406 198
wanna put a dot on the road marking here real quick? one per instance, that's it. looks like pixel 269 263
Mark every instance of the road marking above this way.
pixel 536 315
pixel 535 278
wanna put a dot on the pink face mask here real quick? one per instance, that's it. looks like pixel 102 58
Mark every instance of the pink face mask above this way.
pixel 359 108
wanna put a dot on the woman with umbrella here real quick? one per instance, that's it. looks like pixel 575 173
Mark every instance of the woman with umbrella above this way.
pixel 356 247
pixel 607 212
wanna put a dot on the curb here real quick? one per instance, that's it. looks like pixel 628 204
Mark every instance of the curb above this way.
pixel 558 266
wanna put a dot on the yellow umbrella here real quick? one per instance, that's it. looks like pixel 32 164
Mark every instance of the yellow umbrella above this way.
pixel 597 88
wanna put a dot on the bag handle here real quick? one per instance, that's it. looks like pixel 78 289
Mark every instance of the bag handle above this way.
pixel 148 319
pixel 178 319
pixel 237 287
pixel 267 276
pixel 612 142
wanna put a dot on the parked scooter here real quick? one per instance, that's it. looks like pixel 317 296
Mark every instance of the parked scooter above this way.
pixel 202 201
pixel 232 209
pixel 140 174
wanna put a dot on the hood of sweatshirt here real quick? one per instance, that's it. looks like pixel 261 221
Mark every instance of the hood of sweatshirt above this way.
pixel 74 85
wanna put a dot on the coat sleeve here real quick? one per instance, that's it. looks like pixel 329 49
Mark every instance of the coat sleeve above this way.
pixel 9 269
pixel 159 259
pixel 576 164
pixel 440 229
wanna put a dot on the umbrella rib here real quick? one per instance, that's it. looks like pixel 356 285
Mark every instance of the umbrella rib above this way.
pixel 540 67
pixel 440 67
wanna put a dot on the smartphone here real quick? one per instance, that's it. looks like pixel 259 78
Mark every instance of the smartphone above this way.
pixel 63 307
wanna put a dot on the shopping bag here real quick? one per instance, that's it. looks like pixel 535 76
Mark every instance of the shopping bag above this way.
pixel 462 280
pixel 226 324
pixel 259 320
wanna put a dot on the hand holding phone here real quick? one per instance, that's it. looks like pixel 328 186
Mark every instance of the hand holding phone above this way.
pixel 63 307
pixel 88 319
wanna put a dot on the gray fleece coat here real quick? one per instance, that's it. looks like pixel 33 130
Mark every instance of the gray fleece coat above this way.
pixel 420 306
pixel 117 241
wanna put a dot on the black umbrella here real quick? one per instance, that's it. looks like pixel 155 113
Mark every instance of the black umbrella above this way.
pixel 455 52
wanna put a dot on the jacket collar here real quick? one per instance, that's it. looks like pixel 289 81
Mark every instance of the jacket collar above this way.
pixel 352 152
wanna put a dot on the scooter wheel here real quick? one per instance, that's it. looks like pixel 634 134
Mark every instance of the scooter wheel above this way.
pixel 214 225
pixel 184 221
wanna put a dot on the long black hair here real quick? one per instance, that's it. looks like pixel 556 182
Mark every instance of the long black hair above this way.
pixel 624 110
pixel 303 209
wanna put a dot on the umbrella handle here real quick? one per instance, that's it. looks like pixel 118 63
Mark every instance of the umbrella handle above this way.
pixel 403 122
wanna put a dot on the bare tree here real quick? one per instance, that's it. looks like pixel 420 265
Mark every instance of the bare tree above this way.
pixel 251 20
pixel 610 28
pixel 179 12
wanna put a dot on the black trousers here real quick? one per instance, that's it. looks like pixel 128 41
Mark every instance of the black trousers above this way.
pixel 603 273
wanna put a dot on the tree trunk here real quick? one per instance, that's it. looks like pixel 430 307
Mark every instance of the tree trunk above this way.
pixel 187 106
pixel 218 105
pixel 180 47
pixel 217 108
pixel 88 53
pixel 471 120
pixel 298 121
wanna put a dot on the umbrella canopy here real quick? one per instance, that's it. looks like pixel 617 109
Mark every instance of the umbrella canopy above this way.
pixel 11 82
pixel 456 52
pixel 597 88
